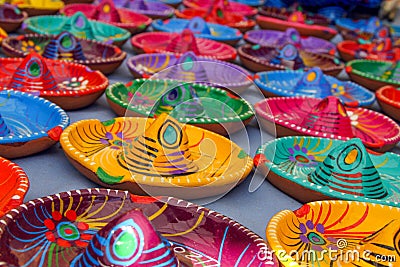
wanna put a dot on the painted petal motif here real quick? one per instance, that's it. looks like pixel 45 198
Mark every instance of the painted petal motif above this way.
pixel 83 217
pixel 336 233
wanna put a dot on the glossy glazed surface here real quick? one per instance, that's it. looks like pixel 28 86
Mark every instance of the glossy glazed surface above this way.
pixel 79 26
pixel 334 169
pixel 115 152
pixel 304 115
pixel 313 83
pixel 316 227
pixel 196 234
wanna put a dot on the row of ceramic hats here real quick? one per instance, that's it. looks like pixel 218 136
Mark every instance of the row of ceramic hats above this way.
pixel 75 227
pixel 112 152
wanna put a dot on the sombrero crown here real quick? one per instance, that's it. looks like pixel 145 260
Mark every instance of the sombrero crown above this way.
pixel 162 150
pixel 349 169
pixel 65 46
pixel 128 240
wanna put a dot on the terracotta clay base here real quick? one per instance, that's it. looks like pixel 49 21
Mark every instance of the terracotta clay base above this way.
pixel 22 149
pixel 220 128
pixel 71 103
pixel 304 32
pixel 259 67
pixel 106 68
pixel 280 131
pixel 177 191
pixel 39 12
pixel 346 56
pixel 11 26
pixel 302 194
pixel 373 85
pixel 390 110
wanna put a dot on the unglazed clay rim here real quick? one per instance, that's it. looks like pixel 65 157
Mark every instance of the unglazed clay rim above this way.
pixel 251 10
pixel 120 57
pixel 243 116
pixel 381 97
pixel 234 34
pixel 299 129
pixel 130 25
pixel 20 20
pixel 160 181
pixel 294 24
pixel 270 11
pixel 368 75
pixel 23 185
pixel 130 63
pixel 63 120
pixel 232 51
pixel 313 186
pixel 71 93
pixel 273 226
pixel 10 217
pixel 279 90
pixel 281 67
pixel 28 26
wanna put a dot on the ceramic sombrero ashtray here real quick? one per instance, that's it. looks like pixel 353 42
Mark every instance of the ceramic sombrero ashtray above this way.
pixel 229 6
pixel 14 185
pixel 79 26
pixel 327 118
pixel 292 36
pixel 374 74
pixel 96 55
pixel 353 233
pixel 218 13
pixel 11 17
pixel 155 156
pixel 179 43
pixel 312 83
pixel 266 58
pixel 388 98
pixel 153 9
pixel 379 49
pixel 99 227
pixel 69 85
pixel 314 168
pixel 200 28
pixel 38 7
pixel 196 104
pixel 363 28
pixel 28 124
pixel 272 18
pixel 189 67
pixel 108 13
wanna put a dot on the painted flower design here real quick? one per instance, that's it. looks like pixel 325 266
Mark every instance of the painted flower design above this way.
pixel 313 234
pixel 114 140
pixel 75 84
pixel 66 231
pixel 28 46
pixel 301 156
